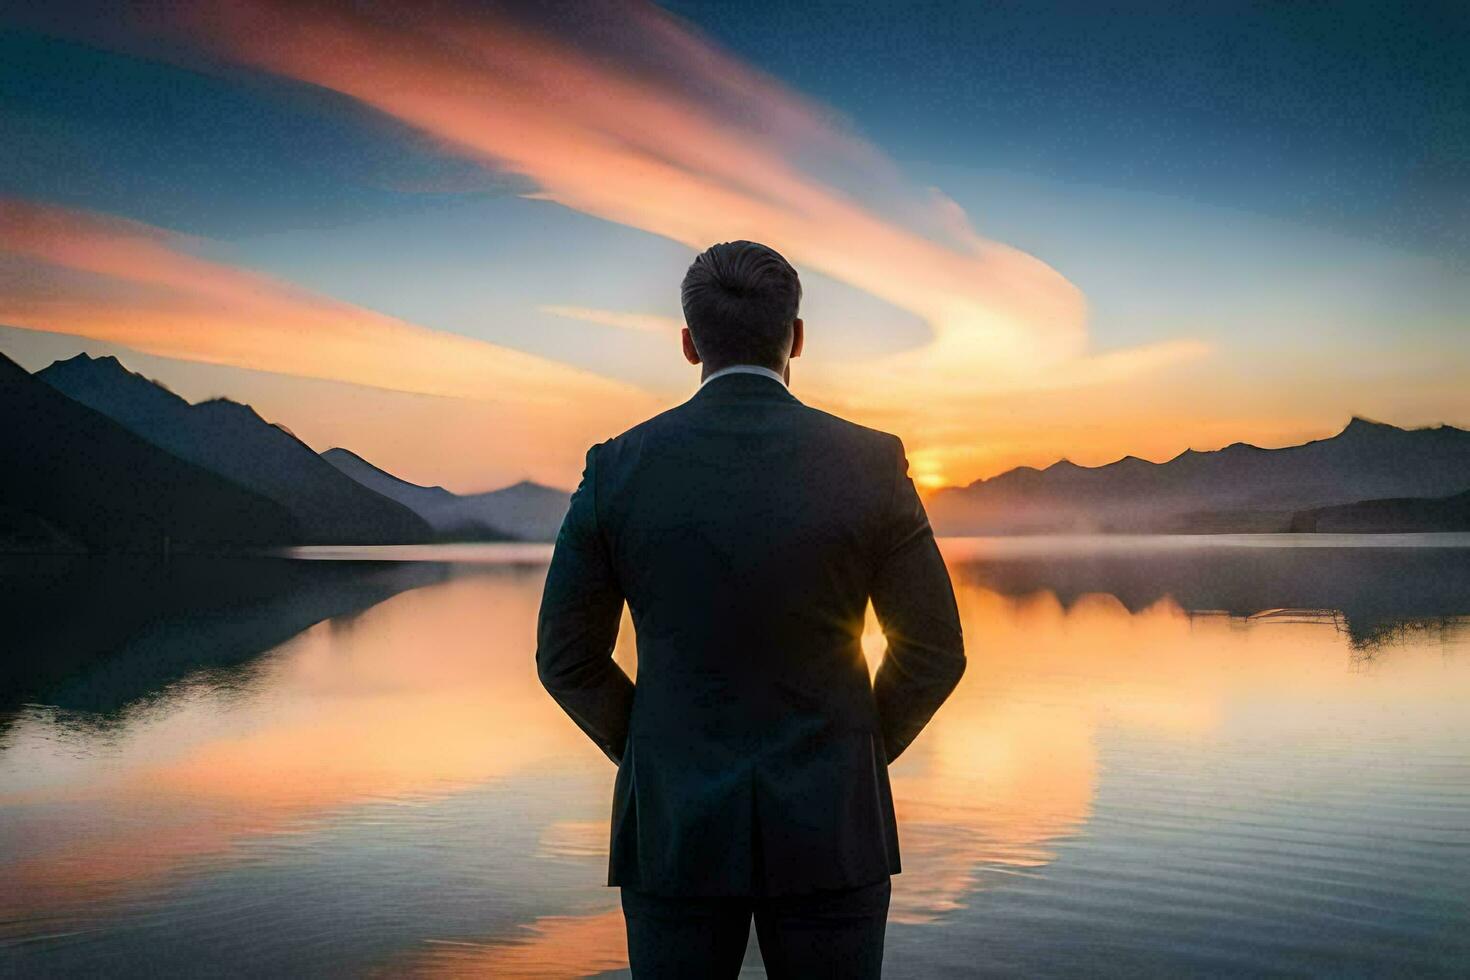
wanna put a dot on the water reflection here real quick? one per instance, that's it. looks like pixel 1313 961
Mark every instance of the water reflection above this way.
pixel 1373 594
pixel 350 767
pixel 95 635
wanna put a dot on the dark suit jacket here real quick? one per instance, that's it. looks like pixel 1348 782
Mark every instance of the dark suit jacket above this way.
pixel 747 533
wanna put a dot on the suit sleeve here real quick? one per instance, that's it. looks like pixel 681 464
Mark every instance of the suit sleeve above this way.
pixel 577 627
pixel 916 609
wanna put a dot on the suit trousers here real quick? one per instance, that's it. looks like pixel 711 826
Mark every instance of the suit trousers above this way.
pixel 832 933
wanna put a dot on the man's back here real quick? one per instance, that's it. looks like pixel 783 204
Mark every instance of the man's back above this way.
pixel 747 533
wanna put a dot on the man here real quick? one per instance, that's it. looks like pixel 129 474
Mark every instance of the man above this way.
pixel 747 532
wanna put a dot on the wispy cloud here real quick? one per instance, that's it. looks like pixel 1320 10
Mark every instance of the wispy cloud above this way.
pixel 642 322
pixel 629 115
pixel 116 280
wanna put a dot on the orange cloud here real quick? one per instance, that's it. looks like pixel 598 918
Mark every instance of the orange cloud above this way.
pixel 115 280
pixel 696 147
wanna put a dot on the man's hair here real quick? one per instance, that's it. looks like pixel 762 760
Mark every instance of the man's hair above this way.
pixel 740 299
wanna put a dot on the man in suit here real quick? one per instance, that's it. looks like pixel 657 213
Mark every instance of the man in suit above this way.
pixel 747 532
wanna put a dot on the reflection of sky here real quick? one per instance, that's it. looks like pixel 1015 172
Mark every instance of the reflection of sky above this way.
pixel 397 781
pixel 1281 187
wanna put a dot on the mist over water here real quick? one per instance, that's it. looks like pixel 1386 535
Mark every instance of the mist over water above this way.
pixel 1166 756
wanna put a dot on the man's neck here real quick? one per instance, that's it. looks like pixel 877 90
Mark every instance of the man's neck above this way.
pixel 742 369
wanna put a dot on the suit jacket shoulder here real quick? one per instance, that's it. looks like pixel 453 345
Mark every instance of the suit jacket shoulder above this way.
pixel 873 449
pixel 876 440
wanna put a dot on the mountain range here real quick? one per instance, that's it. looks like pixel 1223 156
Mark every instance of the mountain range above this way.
pixel 232 441
pixel 1238 488
pixel 74 480
pixel 533 510
pixel 1394 514
pixel 99 458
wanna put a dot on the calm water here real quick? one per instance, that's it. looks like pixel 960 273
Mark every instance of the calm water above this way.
pixel 1167 756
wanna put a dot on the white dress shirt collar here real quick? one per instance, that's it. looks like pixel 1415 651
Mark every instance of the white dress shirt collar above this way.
pixel 744 369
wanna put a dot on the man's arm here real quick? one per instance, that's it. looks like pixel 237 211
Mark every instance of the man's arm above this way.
pixel 915 603
pixel 578 625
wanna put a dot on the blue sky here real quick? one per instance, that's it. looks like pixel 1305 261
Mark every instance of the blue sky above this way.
pixel 1352 117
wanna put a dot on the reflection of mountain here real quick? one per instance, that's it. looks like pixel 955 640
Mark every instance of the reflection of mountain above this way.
pixel 229 439
pixel 1401 514
pixel 70 473
pixel 525 511
pixel 1377 591
pixel 95 634
pixel 1240 487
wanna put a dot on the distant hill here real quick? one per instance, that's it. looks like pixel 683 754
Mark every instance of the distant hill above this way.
pixel 1396 514
pixel 525 511
pixel 75 476
pixel 1240 487
pixel 531 511
pixel 230 439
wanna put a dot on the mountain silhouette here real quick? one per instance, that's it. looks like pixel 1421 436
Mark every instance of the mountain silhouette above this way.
pixel 230 439
pixel 524 511
pixel 74 427
pixel 1396 514
pixel 1240 487
pixel 72 471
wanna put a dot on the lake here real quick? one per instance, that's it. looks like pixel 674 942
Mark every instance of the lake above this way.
pixel 1228 755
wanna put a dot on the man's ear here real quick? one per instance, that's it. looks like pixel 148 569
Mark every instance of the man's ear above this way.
pixel 690 353
pixel 798 336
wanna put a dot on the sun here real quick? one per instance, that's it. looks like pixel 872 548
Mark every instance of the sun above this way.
pixel 927 471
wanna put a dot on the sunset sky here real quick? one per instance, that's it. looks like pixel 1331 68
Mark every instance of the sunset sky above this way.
pixel 451 239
